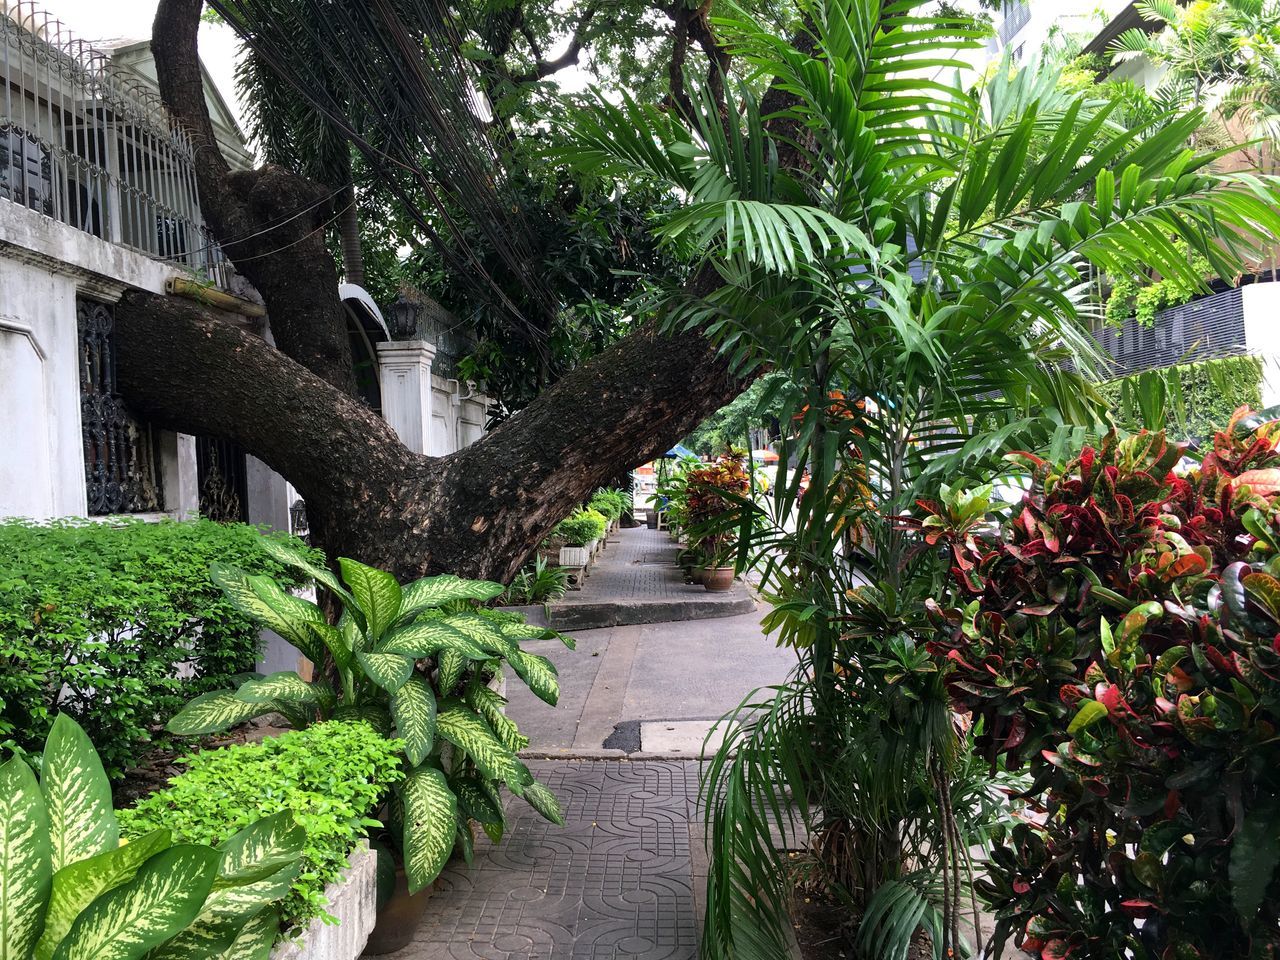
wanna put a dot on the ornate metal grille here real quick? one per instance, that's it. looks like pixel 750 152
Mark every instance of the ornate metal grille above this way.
pixel 120 455
pixel 224 485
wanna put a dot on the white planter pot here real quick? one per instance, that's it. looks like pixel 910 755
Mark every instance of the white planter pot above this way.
pixel 354 901
pixel 593 546
pixel 574 556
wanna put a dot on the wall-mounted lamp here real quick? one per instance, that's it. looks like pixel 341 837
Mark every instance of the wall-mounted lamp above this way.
pixel 403 317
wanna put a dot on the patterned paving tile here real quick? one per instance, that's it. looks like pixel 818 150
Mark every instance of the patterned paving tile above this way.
pixel 614 884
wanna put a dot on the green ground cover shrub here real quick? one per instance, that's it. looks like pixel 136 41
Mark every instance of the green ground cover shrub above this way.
pixel 98 621
pixel 1119 638
pixel 581 527
pixel 1212 390
pixel 332 777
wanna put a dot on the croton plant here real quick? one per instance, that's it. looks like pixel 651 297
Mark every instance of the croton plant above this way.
pixel 1119 637
pixel 714 494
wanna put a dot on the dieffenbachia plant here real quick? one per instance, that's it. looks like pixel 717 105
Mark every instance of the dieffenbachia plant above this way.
pixel 69 890
pixel 415 661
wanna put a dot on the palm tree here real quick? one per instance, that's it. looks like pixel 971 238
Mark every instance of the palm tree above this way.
pixel 916 257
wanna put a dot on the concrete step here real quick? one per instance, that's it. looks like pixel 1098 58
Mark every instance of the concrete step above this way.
pixel 589 614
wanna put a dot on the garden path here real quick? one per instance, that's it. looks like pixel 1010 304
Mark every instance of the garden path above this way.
pixel 619 880
pixel 625 877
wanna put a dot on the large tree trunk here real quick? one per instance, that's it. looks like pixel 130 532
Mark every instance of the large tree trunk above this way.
pixel 480 512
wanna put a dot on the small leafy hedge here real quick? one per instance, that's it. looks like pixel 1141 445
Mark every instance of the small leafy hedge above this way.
pixel 118 625
pixel 1211 391
pixel 333 777
pixel 581 527
pixel 611 502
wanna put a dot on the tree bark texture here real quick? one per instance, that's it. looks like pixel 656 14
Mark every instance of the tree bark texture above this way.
pixel 479 512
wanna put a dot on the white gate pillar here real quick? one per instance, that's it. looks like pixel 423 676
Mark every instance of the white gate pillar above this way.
pixel 404 368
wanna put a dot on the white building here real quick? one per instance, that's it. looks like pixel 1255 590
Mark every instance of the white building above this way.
pixel 1024 27
pixel 97 196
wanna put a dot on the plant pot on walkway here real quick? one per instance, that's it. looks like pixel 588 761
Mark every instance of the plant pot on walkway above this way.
pixel 574 556
pixel 399 917
pixel 718 579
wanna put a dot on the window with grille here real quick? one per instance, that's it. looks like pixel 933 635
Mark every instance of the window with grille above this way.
pixel 121 456
pixel 26 171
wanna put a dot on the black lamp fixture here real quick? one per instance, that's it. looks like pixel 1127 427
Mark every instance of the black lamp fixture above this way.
pixel 402 317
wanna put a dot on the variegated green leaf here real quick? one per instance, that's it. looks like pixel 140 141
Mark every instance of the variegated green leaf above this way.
pixel 352 631
pixel 466 842
pixel 283 553
pixel 77 796
pixel 302 616
pixel 414 708
pixel 530 631
pixel 224 914
pixel 164 896
pixel 430 825
pixel 244 593
pixel 433 591
pixel 387 670
pixel 256 938
pixel 544 801
pixel 450 665
pixel 260 849
pixel 489 704
pixel 285 686
pixel 425 638
pixel 215 712
pixel 467 730
pixel 76 885
pixel 476 800
pixel 538 673
pixel 377 594
pixel 26 866
pixel 484 633
pixel 332 639
pixel 494 831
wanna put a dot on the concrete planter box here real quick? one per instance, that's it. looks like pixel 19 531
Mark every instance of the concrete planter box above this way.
pixel 354 901
pixel 574 556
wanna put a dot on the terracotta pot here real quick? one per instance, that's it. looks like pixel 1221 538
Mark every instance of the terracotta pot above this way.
pixel 718 580
pixel 398 919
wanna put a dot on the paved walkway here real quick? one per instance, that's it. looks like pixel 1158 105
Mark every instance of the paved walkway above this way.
pixel 626 876
pixel 635 580
pixel 618 881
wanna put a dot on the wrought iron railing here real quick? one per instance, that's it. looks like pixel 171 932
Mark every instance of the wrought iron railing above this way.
pixel 88 143
pixel 1211 326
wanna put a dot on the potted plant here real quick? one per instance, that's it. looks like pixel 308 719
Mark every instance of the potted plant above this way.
pixel 714 495
pixel 580 531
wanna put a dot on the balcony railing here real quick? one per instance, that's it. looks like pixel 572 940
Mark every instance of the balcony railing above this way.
pixel 90 145
pixel 1212 326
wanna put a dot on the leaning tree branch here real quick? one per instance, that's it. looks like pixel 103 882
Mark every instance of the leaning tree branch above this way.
pixel 269 222
pixel 577 40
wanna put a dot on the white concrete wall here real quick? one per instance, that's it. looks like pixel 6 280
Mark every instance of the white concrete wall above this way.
pixel 1261 303
pixel 44 264
pixel 431 414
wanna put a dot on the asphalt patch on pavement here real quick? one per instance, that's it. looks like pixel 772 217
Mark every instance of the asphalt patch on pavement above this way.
pixel 625 737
